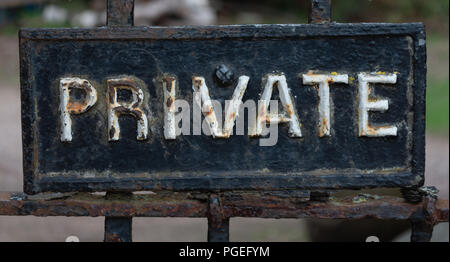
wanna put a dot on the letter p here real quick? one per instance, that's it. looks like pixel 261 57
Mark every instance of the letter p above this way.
pixel 68 107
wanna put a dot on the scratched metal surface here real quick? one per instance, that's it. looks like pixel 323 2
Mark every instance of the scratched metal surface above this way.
pixel 343 160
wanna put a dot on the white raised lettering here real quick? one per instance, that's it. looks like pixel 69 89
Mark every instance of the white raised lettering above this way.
pixel 68 107
pixel 324 97
pixel 290 114
pixel 203 100
pixel 133 108
pixel 168 84
pixel 366 104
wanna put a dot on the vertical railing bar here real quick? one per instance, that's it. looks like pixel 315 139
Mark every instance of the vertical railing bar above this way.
pixel 422 222
pixel 319 12
pixel 421 231
pixel 118 229
pixel 218 224
pixel 120 13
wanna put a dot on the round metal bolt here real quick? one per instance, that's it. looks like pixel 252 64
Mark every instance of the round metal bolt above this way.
pixel 224 75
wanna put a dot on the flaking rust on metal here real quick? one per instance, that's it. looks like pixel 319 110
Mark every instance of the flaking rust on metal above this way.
pixel 218 224
pixel 118 229
pixel 120 13
pixel 361 198
pixel 215 212
pixel 323 81
pixel 320 11
pixel 247 204
pixel 68 107
pixel 430 191
pixel 133 108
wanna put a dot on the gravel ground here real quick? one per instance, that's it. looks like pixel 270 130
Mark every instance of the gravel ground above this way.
pixel 151 229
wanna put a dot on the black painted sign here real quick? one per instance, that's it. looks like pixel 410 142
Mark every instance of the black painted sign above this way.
pixel 222 108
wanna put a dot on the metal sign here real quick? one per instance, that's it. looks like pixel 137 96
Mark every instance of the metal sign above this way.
pixel 223 107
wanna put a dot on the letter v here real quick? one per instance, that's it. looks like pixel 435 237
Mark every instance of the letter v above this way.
pixel 201 94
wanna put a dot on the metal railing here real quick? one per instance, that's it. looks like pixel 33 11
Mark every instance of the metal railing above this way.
pixel 423 210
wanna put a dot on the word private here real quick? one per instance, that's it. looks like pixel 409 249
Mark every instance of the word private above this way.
pixel 202 99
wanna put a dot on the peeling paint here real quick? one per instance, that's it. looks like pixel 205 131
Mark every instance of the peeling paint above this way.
pixel 367 104
pixel 203 100
pixel 68 107
pixel 169 84
pixel 289 116
pixel 133 108
pixel 324 94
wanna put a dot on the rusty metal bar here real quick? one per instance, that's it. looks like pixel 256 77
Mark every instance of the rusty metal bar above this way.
pixel 120 13
pixel 422 223
pixel 233 204
pixel 218 224
pixel 421 231
pixel 218 208
pixel 319 12
pixel 118 229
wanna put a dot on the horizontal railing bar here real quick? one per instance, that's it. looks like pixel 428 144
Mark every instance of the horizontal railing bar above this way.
pixel 253 204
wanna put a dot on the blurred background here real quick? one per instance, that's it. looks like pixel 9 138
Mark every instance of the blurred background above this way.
pixel 15 14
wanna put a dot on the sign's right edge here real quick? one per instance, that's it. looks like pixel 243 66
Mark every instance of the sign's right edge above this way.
pixel 419 89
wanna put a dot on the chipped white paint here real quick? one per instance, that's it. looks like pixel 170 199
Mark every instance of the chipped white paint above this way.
pixel 367 104
pixel 132 108
pixel 232 110
pixel 168 85
pixel 324 96
pixel 201 97
pixel 68 107
pixel 203 100
pixel 290 114
pixel 212 124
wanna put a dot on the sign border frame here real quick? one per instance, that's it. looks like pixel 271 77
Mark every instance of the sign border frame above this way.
pixel 35 183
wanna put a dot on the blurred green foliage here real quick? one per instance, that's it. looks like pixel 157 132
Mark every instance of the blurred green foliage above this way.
pixel 31 15
pixel 31 18
pixel 438 106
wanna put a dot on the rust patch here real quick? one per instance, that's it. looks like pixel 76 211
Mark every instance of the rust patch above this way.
pixel 233 204
pixel 289 109
pixel 323 127
pixel 169 102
